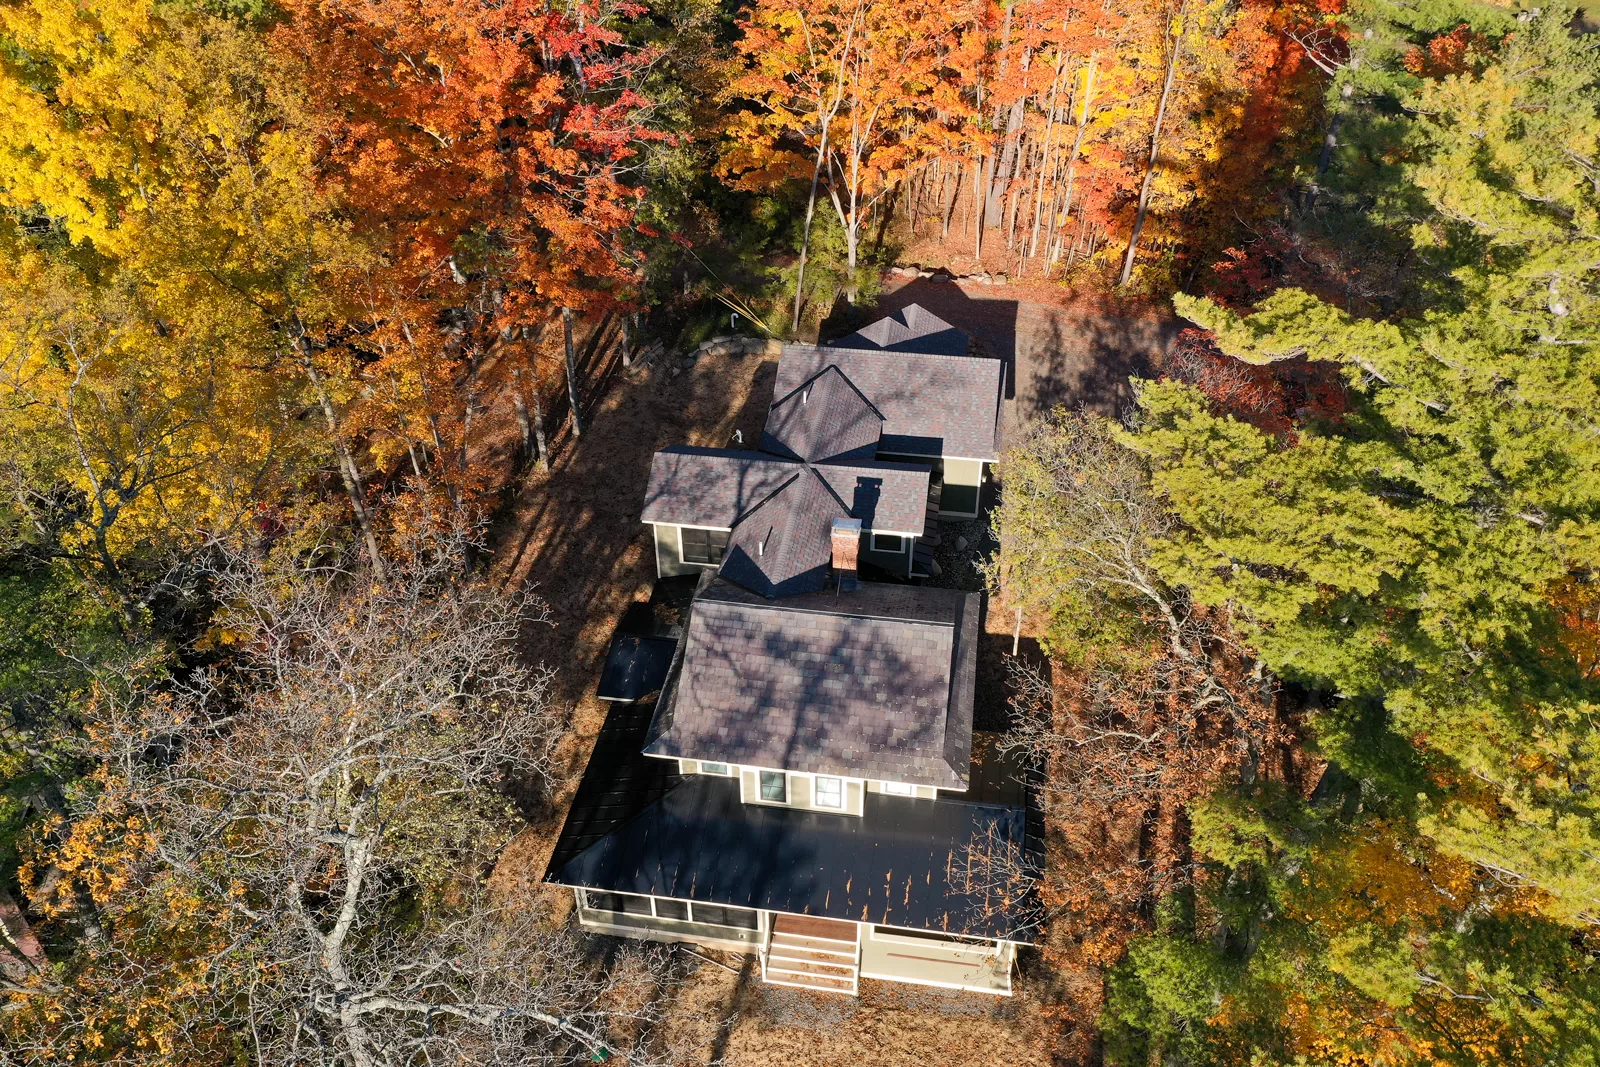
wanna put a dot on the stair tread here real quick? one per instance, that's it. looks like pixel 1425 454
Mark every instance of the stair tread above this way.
pixel 789 952
pixel 820 970
pixel 800 949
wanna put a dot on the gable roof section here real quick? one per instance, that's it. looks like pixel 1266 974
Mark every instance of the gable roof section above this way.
pixel 710 486
pixel 876 683
pixel 715 486
pixel 884 496
pixel 826 419
pixel 785 544
pixel 932 405
pixel 912 329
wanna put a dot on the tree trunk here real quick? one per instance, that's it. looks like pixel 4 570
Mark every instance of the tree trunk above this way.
pixel 524 423
pixel 977 208
pixel 538 407
pixel 883 220
pixel 1155 148
pixel 805 232
pixel 950 209
pixel 1044 163
pixel 572 380
pixel 1006 166
pixel 348 471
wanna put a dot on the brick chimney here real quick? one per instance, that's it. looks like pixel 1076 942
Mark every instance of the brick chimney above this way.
pixel 846 547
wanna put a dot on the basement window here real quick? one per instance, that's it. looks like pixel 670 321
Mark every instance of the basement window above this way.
pixel 893 543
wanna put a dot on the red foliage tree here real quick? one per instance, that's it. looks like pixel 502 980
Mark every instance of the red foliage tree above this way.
pixel 515 121
pixel 1274 397
pixel 1456 52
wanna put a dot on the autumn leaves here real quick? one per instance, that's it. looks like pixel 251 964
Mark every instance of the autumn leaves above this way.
pixel 323 238
pixel 1056 130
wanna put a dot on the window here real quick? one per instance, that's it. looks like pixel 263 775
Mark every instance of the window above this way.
pixel 671 909
pixel 890 933
pixel 899 789
pixel 774 787
pixel 888 543
pixel 830 792
pixel 702 546
pixel 626 903
pixel 717 915
pixel 714 768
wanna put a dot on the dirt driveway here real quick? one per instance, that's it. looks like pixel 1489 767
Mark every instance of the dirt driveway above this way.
pixel 1058 349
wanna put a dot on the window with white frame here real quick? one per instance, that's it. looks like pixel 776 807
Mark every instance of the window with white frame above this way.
pixel 899 789
pixel 830 792
pixel 775 787
pixel 702 546
pixel 882 542
pixel 642 906
pixel 714 768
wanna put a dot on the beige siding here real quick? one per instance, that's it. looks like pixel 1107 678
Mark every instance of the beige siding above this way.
pixel 926 792
pixel 688 766
pixel 668 560
pixel 963 472
pixel 802 793
pixel 963 481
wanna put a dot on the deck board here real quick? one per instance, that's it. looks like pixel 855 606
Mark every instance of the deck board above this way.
pixel 811 926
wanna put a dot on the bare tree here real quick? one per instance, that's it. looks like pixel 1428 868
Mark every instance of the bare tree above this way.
pixel 1000 880
pixel 328 807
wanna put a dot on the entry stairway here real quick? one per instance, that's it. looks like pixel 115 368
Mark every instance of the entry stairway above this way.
pixel 811 953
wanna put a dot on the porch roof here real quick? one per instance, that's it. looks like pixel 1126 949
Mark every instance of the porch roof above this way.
pixel 906 862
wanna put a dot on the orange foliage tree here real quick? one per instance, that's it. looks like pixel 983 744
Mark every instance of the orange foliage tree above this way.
pixel 1058 126
pixel 487 151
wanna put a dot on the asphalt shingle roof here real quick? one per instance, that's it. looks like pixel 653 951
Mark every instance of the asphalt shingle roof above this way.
pixel 825 420
pixel 912 329
pixel 902 864
pixel 710 486
pixel 715 486
pixel 932 405
pixel 785 544
pixel 876 682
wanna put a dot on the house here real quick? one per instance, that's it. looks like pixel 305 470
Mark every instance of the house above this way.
pixel 894 423
pixel 808 786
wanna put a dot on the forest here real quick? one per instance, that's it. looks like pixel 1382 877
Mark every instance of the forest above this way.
pixel 311 310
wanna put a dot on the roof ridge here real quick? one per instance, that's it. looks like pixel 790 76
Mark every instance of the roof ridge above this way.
pixel 770 497
pixel 805 609
pixel 893 353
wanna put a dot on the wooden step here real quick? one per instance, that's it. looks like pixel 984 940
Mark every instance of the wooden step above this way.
pixel 822 985
pixel 794 944
pixel 781 965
